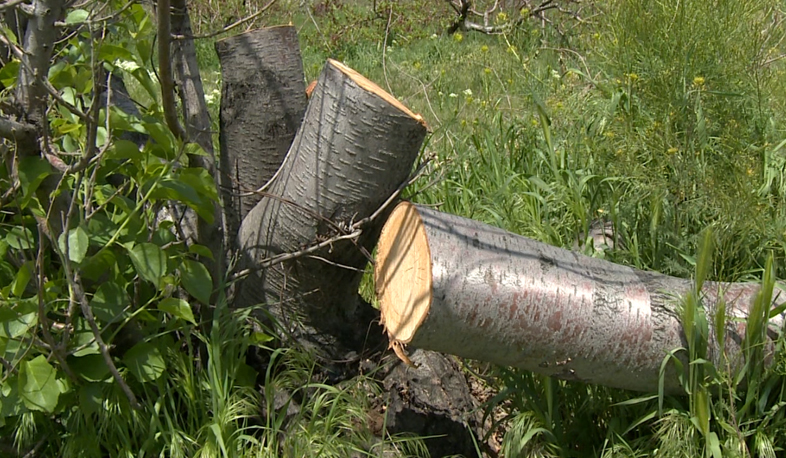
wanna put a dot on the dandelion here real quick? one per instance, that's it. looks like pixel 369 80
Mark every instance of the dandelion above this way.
pixel 671 150
pixel 484 48
pixel 524 12
pixel 487 71
pixel 457 37
pixel 698 81
pixel 633 77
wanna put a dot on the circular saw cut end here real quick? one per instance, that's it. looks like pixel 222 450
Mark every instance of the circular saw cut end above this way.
pixel 403 273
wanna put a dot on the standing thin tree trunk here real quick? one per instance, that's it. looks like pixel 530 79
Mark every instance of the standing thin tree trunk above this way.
pixel 458 286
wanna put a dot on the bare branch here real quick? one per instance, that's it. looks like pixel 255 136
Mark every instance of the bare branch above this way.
pixel 165 70
pixel 10 4
pixel 16 131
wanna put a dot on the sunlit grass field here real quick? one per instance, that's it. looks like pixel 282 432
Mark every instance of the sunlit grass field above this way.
pixel 665 119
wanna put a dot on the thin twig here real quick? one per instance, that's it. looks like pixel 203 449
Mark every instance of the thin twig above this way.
pixel 265 263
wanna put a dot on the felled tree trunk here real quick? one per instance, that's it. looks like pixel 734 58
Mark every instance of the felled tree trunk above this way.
pixel 459 286
pixel 263 99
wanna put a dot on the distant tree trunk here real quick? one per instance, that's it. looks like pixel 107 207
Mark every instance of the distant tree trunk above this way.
pixel 263 99
pixel 459 286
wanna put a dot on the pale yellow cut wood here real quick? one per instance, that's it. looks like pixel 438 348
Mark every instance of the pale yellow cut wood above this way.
pixel 372 87
pixel 403 273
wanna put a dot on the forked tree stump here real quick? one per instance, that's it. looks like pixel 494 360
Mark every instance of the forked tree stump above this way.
pixel 458 286
pixel 355 147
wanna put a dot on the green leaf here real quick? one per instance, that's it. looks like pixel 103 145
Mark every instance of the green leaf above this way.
pixel 200 250
pixel 124 149
pixel 178 308
pixel 109 302
pixel 144 360
pixel 32 171
pixel 20 238
pixel 197 280
pixel 91 399
pixel 9 73
pixel 92 367
pixel 76 17
pixel 78 243
pixel 22 279
pixel 16 323
pixel 150 262
pixel 38 385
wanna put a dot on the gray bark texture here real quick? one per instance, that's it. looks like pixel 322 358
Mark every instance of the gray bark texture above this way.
pixel 263 98
pixel 353 150
pixel 503 298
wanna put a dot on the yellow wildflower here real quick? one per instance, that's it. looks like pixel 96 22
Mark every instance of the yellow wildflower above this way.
pixel 457 37
pixel 698 81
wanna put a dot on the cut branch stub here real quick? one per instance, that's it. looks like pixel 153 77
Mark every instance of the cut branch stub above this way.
pixel 458 286
pixel 355 147
pixel 263 98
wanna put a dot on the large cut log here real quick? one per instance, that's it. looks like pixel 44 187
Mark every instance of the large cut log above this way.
pixel 263 98
pixel 458 286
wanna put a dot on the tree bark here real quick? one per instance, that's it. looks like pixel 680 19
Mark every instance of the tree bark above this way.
pixel 458 286
pixel 198 130
pixel 355 148
pixel 263 99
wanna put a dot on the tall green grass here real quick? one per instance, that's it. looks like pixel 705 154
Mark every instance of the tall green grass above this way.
pixel 663 118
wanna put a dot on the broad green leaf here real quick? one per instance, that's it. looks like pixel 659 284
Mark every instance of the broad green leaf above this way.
pixel 91 398
pixel 78 243
pixel 77 16
pixel 124 149
pixel 16 323
pixel 32 171
pixel 109 302
pixel 178 308
pixel 150 262
pixel 200 250
pixel 259 338
pixel 9 73
pixel 145 362
pixel 20 238
pixel 99 266
pixel 10 401
pixel 22 278
pixel 92 367
pixel 38 385
pixel 197 280
pixel 85 342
